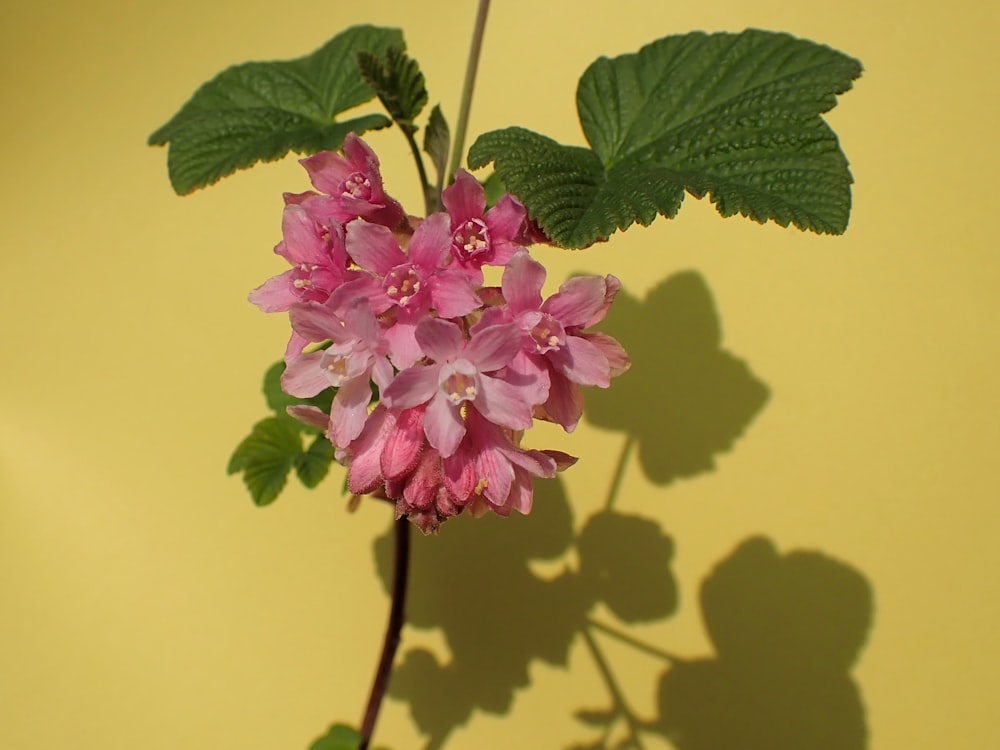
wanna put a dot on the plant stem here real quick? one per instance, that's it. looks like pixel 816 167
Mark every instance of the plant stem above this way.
pixel 619 472
pixel 616 693
pixel 431 197
pixel 401 568
pixel 470 83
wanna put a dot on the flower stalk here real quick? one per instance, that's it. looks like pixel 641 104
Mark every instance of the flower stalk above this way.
pixel 467 87
pixel 397 615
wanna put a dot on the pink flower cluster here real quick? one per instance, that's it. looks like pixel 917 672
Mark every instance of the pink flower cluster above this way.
pixel 377 298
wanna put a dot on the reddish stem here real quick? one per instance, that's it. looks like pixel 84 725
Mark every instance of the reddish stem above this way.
pixel 397 615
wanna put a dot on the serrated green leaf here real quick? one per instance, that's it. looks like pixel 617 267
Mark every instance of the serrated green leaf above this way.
pixel 397 81
pixel 259 111
pixel 732 116
pixel 574 200
pixel 340 737
pixel 313 465
pixel 437 141
pixel 266 456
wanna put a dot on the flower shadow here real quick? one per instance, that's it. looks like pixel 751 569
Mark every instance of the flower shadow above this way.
pixel 786 629
pixel 475 583
pixel 685 399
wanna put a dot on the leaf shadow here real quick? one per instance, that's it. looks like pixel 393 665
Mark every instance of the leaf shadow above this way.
pixel 787 629
pixel 685 399
pixel 475 583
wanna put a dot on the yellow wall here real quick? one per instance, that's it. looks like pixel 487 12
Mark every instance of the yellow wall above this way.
pixel 145 603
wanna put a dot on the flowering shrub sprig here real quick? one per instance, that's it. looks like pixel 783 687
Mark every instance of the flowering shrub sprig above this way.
pixel 380 299
pixel 403 364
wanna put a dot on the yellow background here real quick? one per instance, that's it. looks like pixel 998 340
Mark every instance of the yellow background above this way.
pixel 145 603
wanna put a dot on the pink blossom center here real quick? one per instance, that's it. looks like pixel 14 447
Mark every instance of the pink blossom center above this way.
pixel 311 281
pixel 341 363
pixel 357 186
pixel 548 334
pixel 459 381
pixel 401 283
pixel 471 240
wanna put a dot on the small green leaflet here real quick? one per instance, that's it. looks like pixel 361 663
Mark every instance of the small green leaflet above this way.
pixel 340 737
pixel 397 81
pixel 274 446
pixel 732 116
pixel 259 111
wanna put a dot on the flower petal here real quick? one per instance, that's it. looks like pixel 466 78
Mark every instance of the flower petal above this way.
pixel 577 301
pixel 443 425
pixel 310 415
pixel 494 347
pixel 349 410
pixel 301 241
pixel 314 321
pixel 522 283
pixel 618 358
pixel 452 295
pixel 465 198
pixel 565 403
pixel 412 387
pixel 303 377
pixel 431 242
pixel 439 339
pixel 275 294
pixel 582 362
pixel 364 474
pixel 404 444
pixel 502 403
pixel 373 247
pixel 506 219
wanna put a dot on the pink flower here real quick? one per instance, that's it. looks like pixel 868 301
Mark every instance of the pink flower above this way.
pixel 554 340
pixel 481 237
pixel 319 263
pixel 352 185
pixel 355 358
pixel 457 379
pixel 414 282
pixel 488 471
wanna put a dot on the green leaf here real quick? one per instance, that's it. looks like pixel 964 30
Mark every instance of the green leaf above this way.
pixel 565 188
pixel 437 142
pixel 259 111
pixel 313 465
pixel 397 81
pixel 494 188
pixel 732 116
pixel 340 737
pixel 274 446
pixel 266 456
pixel 276 398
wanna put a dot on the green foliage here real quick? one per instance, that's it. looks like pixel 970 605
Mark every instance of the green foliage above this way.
pixel 437 142
pixel 340 737
pixel 259 111
pixel 275 444
pixel 732 116
pixel 397 81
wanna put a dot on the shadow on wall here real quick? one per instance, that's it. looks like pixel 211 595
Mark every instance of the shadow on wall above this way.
pixel 786 628
pixel 685 399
